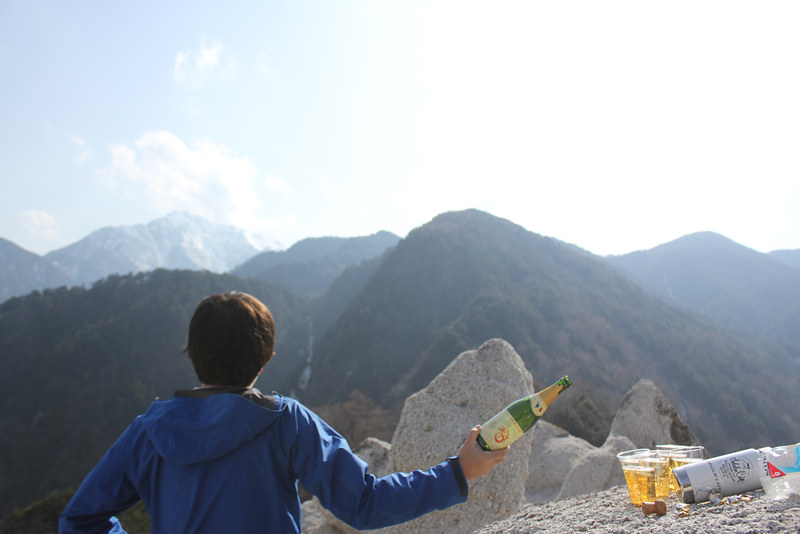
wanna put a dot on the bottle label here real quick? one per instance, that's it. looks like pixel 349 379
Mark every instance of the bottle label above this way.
pixel 501 430
pixel 774 472
pixel 782 460
pixel 509 425
pixel 729 474
pixel 735 470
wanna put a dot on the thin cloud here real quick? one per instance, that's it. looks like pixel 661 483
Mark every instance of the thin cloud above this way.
pixel 205 178
pixel 39 223
pixel 193 67
pixel 275 183
pixel 84 153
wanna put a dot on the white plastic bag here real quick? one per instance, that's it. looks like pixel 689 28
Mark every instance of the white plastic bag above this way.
pixel 780 471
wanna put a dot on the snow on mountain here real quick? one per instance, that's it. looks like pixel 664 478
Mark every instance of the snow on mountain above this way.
pixel 177 241
pixel 263 242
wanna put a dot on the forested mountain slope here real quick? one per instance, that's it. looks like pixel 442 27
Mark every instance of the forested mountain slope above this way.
pixel 466 277
pixel 736 286
pixel 78 365
pixel 311 265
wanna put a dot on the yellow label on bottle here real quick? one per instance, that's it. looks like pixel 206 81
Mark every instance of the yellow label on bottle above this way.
pixel 500 431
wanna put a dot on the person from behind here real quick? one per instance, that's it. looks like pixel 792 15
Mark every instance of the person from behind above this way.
pixel 224 457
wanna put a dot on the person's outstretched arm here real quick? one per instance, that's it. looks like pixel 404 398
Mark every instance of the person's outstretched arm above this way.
pixel 326 466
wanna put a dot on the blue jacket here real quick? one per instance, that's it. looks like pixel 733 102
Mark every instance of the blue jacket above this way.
pixel 226 464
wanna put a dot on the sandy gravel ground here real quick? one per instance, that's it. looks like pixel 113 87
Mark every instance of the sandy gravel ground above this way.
pixel 610 511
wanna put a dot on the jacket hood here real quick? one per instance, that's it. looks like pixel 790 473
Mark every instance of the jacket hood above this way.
pixel 191 429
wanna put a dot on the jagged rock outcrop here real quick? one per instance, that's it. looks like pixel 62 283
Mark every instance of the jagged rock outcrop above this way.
pixel 433 425
pixel 554 451
pixel 648 418
pixel 596 470
pixel 375 452
pixel 645 419
pixel 435 421
pixel 546 464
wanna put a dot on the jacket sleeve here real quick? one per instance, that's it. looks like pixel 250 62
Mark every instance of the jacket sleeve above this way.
pixel 105 491
pixel 327 468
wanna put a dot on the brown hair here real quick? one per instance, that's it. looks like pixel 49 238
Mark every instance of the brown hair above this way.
pixel 231 337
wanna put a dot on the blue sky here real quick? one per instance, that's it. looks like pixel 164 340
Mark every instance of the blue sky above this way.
pixel 615 126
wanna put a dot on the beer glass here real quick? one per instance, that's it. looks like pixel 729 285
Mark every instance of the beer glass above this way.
pixel 639 475
pixel 662 473
pixel 677 456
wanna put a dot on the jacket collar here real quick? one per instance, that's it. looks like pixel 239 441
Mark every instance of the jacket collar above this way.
pixel 251 394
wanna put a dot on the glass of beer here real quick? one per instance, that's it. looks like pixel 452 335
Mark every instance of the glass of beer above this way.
pixel 662 473
pixel 677 456
pixel 640 475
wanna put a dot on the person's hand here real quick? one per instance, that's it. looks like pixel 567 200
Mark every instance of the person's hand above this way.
pixel 476 462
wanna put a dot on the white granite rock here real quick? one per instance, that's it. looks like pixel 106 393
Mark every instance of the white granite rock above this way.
pixel 435 421
pixel 596 470
pixel 376 453
pixel 548 463
pixel 433 425
pixel 553 453
pixel 649 419
pixel 645 419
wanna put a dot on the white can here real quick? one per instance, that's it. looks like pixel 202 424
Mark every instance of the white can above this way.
pixel 730 474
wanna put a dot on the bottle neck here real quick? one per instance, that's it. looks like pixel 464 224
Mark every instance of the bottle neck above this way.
pixel 548 395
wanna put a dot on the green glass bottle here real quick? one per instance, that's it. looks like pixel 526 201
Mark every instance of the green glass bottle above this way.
pixel 510 424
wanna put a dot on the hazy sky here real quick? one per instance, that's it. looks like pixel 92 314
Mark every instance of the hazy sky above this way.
pixel 615 126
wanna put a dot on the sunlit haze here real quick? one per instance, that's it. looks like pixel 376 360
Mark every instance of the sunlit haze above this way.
pixel 615 126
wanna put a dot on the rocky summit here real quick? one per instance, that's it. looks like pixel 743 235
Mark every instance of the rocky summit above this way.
pixel 546 465
pixel 432 427
pixel 648 419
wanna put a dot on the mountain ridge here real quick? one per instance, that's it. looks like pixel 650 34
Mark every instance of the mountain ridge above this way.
pixel 468 276
pixel 184 241
pixel 80 363
pixel 312 264
pixel 736 286
pixel 789 257
pixel 177 241
pixel 22 271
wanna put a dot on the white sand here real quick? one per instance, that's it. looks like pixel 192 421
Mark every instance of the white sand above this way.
pixel 610 511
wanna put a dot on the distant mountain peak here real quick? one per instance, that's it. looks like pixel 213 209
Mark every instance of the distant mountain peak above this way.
pixel 735 285
pixel 179 240
pixel 311 264
pixel 22 271
pixel 701 239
